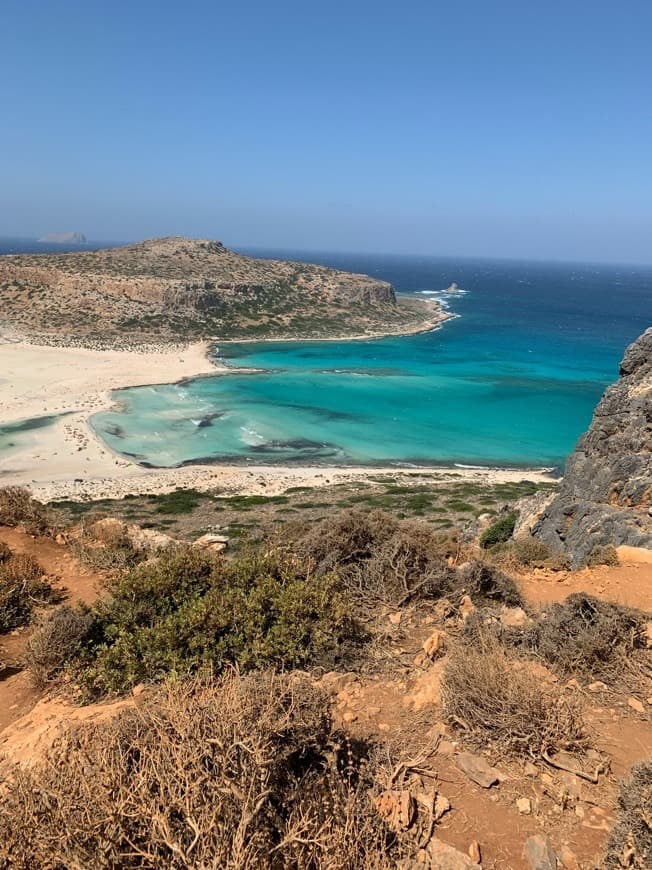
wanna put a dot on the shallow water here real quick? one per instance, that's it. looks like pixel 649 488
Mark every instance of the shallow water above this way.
pixel 512 380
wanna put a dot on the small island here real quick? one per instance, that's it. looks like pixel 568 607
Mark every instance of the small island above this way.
pixel 64 238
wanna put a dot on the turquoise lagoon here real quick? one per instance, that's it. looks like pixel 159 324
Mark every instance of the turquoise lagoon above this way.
pixel 512 380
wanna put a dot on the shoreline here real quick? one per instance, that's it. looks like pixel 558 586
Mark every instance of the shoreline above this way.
pixel 68 460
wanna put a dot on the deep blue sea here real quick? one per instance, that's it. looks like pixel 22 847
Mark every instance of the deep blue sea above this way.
pixel 511 380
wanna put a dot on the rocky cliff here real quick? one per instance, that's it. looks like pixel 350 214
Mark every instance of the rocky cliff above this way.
pixel 606 494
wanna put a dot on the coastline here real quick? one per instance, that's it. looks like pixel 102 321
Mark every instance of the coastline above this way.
pixel 67 460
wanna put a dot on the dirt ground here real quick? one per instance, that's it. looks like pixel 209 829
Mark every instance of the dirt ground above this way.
pixel 397 700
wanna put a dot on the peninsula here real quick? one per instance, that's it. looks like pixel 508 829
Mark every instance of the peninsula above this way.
pixel 178 290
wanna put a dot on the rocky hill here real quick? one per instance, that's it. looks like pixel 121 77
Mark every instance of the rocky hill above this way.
pixel 180 289
pixel 606 494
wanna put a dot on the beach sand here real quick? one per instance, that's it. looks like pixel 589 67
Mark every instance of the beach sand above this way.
pixel 67 459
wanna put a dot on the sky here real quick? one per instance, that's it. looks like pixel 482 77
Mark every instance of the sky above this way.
pixel 485 128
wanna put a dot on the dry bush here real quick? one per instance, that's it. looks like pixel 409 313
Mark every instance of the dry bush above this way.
pixel 630 843
pixel 106 547
pixel 602 555
pixel 497 697
pixel 381 560
pixel 18 508
pixel 21 590
pixel 55 640
pixel 593 638
pixel 238 773
pixel 527 552
pixel 487 584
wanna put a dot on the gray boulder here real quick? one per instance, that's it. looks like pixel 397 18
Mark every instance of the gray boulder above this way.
pixel 606 494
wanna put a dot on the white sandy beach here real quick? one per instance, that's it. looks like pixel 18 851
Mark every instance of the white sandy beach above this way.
pixel 67 460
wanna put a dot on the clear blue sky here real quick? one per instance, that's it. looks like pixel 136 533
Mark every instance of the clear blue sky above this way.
pixel 490 127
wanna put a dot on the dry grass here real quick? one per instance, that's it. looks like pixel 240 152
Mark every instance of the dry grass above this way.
pixel 238 773
pixel 18 508
pixel 498 698
pixel 630 843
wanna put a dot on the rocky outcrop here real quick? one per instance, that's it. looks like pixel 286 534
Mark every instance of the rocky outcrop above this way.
pixel 606 494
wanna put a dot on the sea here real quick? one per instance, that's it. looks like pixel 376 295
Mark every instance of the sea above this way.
pixel 511 380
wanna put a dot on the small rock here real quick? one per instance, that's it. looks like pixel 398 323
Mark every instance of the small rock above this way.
pixel 474 852
pixel 445 748
pixel 540 854
pixel 568 859
pixel 598 686
pixel 442 806
pixel 420 660
pixel 138 690
pixel 445 857
pixel 514 617
pixel 395 618
pixel 350 716
pixel 467 607
pixel 636 705
pixel 215 543
pixel 478 770
pixel 530 769
pixel 647 634
pixel 524 806
pixel 435 645
pixel 372 711
pixel 61 539
pixel 397 808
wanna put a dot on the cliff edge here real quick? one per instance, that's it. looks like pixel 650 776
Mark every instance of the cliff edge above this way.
pixel 606 494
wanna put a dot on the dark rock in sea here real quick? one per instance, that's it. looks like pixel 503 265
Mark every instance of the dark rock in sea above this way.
pixel 606 494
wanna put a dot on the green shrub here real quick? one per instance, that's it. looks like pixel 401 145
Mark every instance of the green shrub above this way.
pixel 498 532
pixel 190 609
pixel 21 590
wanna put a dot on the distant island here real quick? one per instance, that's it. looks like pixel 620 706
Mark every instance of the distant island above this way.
pixel 65 238
pixel 177 290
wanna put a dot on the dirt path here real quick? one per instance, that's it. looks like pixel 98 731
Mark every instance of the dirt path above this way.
pixel 17 694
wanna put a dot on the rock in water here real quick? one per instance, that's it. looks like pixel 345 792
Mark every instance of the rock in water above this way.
pixel 606 494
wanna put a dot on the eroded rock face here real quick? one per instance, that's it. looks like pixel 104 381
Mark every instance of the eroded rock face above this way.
pixel 606 494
